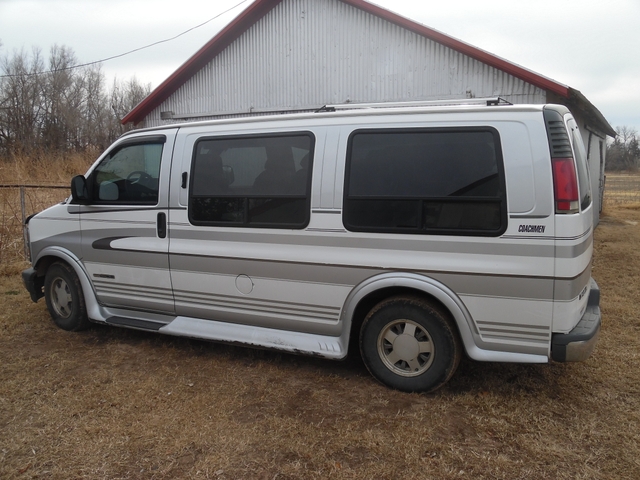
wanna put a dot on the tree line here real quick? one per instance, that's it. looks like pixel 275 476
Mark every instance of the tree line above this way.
pixel 48 105
pixel 623 153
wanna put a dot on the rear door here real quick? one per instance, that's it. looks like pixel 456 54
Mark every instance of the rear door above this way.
pixel 124 228
pixel 574 239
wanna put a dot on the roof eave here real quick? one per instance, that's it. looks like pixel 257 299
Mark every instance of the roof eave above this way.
pixel 592 113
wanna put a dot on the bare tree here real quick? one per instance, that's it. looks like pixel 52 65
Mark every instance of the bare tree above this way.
pixel 61 98
pixel 62 107
pixel 20 101
pixel 96 114
pixel 124 97
pixel 624 152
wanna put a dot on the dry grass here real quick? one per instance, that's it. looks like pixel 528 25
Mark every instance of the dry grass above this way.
pixel 38 169
pixel 120 404
pixel 622 187
pixel 112 403
pixel 43 168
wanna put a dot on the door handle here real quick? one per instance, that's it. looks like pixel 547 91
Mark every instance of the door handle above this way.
pixel 162 225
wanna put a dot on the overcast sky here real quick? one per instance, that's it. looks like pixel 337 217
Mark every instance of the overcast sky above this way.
pixel 590 45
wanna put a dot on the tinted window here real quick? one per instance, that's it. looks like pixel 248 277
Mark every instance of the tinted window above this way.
pixel 129 174
pixel 252 181
pixel 584 183
pixel 425 181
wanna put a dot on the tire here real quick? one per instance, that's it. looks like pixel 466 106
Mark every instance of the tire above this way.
pixel 65 301
pixel 409 344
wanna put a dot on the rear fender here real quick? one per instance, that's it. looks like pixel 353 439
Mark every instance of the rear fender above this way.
pixel 464 322
pixel 421 283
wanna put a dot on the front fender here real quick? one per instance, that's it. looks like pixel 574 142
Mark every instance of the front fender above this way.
pixel 52 253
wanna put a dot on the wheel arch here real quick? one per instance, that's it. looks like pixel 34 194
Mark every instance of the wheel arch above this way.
pixel 376 289
pixel 49 255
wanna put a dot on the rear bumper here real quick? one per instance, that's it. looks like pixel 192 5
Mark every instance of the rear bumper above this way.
pixel 578 344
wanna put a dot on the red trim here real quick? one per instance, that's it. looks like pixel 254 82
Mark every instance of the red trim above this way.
pixel 261 7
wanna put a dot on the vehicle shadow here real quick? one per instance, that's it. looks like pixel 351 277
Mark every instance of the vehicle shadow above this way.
pixel 471 377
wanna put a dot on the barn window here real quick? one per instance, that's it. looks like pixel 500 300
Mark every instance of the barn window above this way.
pixel 253 181
pixel 435 181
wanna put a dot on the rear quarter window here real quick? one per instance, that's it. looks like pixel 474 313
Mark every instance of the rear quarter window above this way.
pixel 425 181
pixel 584 183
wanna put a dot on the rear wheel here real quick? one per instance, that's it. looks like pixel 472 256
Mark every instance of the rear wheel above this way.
pixel 409 344
pixel 63 294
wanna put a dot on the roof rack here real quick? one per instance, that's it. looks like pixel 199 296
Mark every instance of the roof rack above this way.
pixel 490 101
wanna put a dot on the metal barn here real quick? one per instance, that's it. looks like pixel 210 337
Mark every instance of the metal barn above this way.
pixel 298 55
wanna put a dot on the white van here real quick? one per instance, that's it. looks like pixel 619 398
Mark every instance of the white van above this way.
pixel 416 233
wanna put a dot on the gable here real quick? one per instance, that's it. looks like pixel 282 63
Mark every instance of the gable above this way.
pixel 302 54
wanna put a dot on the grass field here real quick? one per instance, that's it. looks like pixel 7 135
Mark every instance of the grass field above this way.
pixel 622 188
pixel 38 169
pixel 112 403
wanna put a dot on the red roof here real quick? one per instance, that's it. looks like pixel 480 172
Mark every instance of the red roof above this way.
pixel 261 7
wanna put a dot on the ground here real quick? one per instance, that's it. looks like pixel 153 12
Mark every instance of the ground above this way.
pixel 112 403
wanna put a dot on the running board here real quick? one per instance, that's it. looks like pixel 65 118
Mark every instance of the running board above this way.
pixel 251 336
pixel 138 324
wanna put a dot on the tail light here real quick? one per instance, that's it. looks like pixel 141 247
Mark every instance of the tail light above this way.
pixel 563 165
pixel 565 185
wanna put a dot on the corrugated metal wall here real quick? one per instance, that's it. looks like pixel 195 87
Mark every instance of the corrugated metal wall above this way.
pixel 595 145
pixel 308 53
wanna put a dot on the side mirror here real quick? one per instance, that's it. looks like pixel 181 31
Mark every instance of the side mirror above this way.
pixel 79 191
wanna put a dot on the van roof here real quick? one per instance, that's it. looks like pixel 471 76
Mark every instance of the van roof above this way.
pixel 367 110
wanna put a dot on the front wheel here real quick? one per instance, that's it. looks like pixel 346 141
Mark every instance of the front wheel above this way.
pixel 408 344
pixel 63 294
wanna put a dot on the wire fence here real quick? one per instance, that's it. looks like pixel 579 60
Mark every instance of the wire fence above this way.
pixel 621 188
pixel 17 202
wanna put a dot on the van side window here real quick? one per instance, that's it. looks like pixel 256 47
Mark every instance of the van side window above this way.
pixel 129 174
pixel 584 183
pixel 254 181
pixel 436 181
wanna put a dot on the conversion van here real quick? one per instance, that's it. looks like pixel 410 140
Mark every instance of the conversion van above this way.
pixel 414 234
